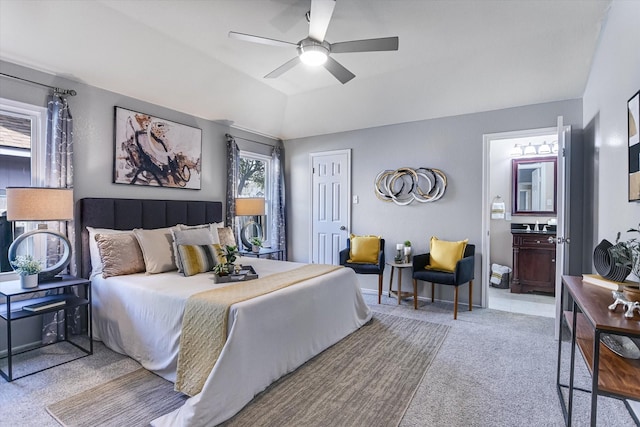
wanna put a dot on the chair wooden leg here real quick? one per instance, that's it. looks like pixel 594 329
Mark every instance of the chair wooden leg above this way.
pixel 433 291
pixel 470 295
pixel 415 294
pixel 390 282
pixel 455 303
pixel 379 287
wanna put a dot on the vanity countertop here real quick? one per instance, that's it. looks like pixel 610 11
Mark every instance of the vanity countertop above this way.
pixel 552 232
pixel 522 229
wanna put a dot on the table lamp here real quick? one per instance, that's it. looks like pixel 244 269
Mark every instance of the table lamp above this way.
pixel 41 204
pixel 250 206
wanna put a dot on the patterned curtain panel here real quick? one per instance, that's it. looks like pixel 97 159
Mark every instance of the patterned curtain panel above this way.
pixel 277 212
pixel 233 166
pixel 59 174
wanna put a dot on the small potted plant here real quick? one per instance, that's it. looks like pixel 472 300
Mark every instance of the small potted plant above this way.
pixel 28 269
pixel 627 253
pixel 256 244
pixel 221 269
pixel 231 254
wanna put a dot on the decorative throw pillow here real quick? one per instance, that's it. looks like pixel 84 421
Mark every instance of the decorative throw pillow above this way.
pixel 444 255
pixel 364 249
pixel 197 258
pixel 157 249
pixel 94 252
pixel 190 236
pixel 120 254
pixel 213 227
pixel 226 237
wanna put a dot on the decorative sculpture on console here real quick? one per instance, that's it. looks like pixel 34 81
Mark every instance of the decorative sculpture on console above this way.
pixel 629 307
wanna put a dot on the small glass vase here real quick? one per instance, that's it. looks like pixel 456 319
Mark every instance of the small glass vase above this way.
pixel 407 254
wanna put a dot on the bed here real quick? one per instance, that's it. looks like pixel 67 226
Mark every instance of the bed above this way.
pixel 268 336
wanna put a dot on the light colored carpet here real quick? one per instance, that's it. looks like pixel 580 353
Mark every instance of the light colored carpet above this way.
pixel 131 400
pixel 493 369
pixel 367 379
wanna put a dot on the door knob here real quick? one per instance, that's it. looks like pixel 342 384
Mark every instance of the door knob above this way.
pixel 343 228
pixel 551 239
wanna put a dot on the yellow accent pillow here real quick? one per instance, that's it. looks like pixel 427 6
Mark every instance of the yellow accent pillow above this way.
pixel 444 255
pixel 364 249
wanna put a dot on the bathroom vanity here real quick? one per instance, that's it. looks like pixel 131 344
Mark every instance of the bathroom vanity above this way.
pixel 534 259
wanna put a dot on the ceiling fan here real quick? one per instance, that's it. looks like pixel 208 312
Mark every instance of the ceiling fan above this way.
pixel 315 50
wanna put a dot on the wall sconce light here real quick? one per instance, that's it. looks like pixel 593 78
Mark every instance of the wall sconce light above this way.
pixel 544 148
pixel 530 150
pixel 516 151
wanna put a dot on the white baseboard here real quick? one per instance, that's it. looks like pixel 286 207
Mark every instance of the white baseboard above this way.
pixel 420 298
pixel 21 348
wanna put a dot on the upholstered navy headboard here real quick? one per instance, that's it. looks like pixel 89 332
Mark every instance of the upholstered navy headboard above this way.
pixel 126 214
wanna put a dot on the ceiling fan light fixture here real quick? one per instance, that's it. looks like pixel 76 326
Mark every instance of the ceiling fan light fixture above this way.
pixel 313 53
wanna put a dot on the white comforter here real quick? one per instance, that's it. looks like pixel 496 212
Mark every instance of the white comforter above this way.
pixel 141 315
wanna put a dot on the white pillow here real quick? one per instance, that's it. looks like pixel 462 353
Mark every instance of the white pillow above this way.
pixel 157 249
pixel 191 236
pixel 94 252
pixel 214 226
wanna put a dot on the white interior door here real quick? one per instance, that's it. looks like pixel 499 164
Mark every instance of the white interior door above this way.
pixel 562 229
pixel 330 210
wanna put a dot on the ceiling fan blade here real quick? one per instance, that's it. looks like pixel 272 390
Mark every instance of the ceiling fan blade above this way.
pixel 283 68
pixel 338 71
pixel 369 45
pixel 258 39
pixel 321 11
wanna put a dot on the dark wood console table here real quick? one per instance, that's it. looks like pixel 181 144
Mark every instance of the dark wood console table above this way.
pixel 612 375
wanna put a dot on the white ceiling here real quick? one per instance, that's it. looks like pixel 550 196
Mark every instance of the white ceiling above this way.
pixel 455 56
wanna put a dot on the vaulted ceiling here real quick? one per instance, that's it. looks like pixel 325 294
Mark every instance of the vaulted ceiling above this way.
pixel 455 56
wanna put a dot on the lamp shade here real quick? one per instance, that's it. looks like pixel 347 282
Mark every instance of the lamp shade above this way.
pixel 247 206
pixel 39 204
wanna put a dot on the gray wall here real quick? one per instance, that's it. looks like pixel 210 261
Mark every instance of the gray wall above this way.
pixel 93 113
pixel 614 78
pixel 452 144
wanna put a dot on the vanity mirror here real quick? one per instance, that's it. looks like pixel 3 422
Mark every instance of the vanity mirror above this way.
pixel 533 183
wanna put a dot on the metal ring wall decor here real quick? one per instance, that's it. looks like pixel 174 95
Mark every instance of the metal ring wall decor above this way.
pixel 403 186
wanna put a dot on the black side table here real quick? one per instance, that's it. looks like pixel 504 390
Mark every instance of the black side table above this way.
pixel 263 253
pixel 13 309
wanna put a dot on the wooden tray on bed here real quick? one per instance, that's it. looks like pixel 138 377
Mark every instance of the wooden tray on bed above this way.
pixel 246 273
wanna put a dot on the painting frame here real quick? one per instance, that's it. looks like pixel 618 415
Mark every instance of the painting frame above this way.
pixel 152 151
pixel 633 139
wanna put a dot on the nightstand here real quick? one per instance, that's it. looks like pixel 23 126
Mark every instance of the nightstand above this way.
pixel 263 253
pixel 48 297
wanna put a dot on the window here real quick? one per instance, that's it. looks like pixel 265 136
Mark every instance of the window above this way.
pixel 22 142
pixel 254 181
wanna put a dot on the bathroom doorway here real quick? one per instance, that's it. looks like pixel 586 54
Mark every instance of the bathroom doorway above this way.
pixel 501 149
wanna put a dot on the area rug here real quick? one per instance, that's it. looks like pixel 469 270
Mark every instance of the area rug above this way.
pixel 367 379
pixel 132 400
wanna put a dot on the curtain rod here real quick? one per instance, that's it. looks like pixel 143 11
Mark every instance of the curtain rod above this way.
pixel 55 89
pixel 251 140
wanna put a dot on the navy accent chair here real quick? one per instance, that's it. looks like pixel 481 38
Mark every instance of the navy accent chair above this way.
pixel 366 268
pixel 462 274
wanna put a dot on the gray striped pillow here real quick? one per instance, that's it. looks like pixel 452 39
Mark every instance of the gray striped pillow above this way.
pixel 197 258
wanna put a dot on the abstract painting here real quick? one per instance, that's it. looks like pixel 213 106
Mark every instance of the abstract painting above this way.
pixel 156 152
pixel 633 108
